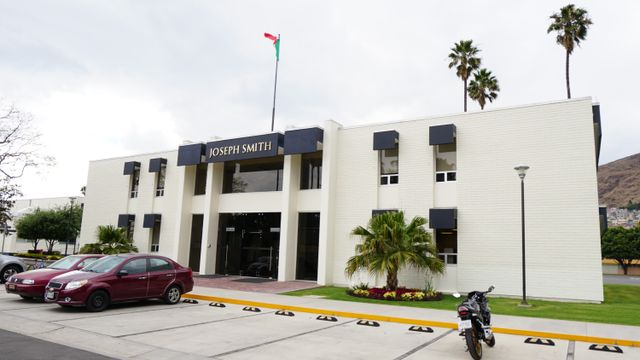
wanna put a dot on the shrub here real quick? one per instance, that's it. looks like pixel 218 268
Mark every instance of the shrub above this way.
pixel 389 295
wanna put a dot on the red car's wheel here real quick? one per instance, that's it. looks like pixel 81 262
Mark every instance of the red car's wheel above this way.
pixel 172 295
pixel 98 301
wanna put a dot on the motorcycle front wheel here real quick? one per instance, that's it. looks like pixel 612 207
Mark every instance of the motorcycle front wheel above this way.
pixel 473 344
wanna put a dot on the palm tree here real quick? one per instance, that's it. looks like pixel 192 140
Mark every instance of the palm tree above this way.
pixel 483 87
pixel 111 240
pixel 464 58
pixel 390 245
pixel 571 24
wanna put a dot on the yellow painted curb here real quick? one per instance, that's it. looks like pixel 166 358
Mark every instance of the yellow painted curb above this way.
pixel 440 324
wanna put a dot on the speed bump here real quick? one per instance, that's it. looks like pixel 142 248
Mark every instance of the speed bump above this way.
pixel 190 301
pixel 539 341
pixel 285 313
pixel 327 318
pixel 607 348
pixel 424 329
pixel 368 323
pixel 217 304
pixel 251 308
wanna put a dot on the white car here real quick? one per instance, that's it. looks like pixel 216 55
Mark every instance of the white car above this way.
pixel 10 265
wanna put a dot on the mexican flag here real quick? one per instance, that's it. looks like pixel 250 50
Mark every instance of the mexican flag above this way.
pixel 276 43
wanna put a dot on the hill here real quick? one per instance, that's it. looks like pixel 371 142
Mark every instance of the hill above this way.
pixel 619 181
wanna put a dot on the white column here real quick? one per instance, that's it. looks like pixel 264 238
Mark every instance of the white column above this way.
pixel 327 202
pixel 185 184
pixel 215 173
pixel 289 218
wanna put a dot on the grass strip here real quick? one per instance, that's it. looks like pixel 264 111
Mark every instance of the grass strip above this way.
pixel 620 306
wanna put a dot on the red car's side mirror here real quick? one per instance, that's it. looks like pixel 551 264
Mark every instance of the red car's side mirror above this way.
pixel 122 273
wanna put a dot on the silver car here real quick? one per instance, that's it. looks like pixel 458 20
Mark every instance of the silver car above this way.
pixel 10 265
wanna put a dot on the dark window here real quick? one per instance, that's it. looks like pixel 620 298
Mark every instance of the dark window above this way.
pixel 311 171
pixel 135 182
pixel 451 176
pixel 447 244
pixel 155 236
pixel 308 240
pixel 389 166
pixel 440 177
pixel 130 226
pixel 136 266
pixel 201 179
pixel 162 174
pixel 253 175
pixel 445 162
pixel 159 265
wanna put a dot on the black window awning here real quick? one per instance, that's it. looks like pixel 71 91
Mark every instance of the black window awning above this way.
pixel 130 167
pixel 150 220
pixel 302 141
pixel 124 219
pixel 445 218
pixel 190 154
pixel 155 165
pixel 442 134
pixel 384 140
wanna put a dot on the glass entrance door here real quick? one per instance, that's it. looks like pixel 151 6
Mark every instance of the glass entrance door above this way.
pixel 248 244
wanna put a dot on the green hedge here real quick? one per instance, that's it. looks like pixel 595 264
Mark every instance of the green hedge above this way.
pixel 39 256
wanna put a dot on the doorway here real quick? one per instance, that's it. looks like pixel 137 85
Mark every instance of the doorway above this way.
pixel 248 244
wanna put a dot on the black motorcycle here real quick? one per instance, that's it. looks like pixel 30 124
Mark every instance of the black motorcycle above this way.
pixel 475 321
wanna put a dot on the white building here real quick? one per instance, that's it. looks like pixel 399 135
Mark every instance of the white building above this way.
pixel 21 207
pixel 283 205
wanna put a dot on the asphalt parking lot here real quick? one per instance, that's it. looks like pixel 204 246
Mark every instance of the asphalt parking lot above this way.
pixel 152 330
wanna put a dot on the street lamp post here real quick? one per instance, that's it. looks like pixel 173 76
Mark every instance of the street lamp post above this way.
pixel 522 172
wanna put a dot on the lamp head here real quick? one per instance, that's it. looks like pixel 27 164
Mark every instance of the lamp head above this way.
pixel 522 170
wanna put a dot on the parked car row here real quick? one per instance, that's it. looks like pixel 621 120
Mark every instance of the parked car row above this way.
pixel 95 281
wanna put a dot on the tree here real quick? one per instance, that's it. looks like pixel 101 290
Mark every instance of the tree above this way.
pixel 390 245
pixel 19 150
pixel 571 24
pixel 621 245
pixel 483 87
pixel 111 240
pixel 51 225
pixel 464 57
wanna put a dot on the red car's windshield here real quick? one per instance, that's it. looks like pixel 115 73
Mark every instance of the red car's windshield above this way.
pixel 65 263
pixel 105 264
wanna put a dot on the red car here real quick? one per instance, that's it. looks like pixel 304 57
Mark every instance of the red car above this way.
pixel 118 278
pixel 31 284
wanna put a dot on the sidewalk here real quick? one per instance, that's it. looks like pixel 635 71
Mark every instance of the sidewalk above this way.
pixel 581 329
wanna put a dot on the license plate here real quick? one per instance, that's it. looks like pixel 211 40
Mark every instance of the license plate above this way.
pixel 11 286
pixel 50 295
pixel 464 324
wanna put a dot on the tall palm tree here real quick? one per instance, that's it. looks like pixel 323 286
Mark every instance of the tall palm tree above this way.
pixel 390 245
pixel 483 87
pixel 464 57
pixel 571 23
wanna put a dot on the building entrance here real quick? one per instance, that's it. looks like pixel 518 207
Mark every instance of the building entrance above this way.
pixel 248 244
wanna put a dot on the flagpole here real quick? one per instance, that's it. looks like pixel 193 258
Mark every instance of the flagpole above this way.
pixel 275 84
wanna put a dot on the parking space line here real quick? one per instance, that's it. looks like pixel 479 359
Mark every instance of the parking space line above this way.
pixel 281 339
pixel 189 325
pixel 418 348
pixel 571 350
pixel 107 314
pixel 440 324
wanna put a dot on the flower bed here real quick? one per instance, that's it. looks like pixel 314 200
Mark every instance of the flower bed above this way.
pixel 400 294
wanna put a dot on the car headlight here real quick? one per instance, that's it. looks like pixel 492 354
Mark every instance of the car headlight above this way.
pixel 28 282
pixel 75 285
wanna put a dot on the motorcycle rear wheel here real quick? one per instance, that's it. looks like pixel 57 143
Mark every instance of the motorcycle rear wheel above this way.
pixel 473 343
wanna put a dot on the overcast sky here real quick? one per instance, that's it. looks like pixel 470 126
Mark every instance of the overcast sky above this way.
pixel 114 78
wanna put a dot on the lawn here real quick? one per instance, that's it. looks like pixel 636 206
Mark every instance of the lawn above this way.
pixel 621 305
